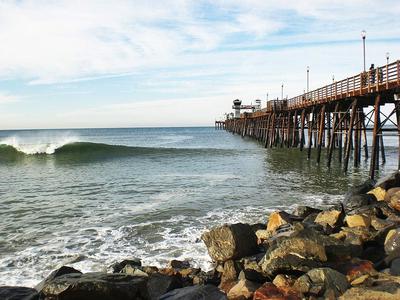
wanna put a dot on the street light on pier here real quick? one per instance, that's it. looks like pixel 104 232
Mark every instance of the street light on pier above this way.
pixel 282 92
pixel 333 78
pixel 308 78
pixel 363 35
pixel 387 58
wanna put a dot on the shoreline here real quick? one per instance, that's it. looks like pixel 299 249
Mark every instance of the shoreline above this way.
pixel 349 251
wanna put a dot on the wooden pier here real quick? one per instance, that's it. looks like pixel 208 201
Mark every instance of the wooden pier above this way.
pixel 336 116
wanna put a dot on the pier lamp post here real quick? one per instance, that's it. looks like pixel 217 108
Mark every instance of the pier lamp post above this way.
pixel 363 35
pixel 387 58
pixel 282 92
pixel 308 78
pixel 333 78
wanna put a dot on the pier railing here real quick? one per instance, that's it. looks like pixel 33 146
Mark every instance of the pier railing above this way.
pixel 378 79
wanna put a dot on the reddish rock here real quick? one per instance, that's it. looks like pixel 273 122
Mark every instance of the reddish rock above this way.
pixel 268 291
pixel 356 268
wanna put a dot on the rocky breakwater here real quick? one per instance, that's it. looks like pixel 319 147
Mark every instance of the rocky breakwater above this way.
pixel 348 251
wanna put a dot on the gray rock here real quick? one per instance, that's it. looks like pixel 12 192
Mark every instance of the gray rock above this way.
pixel 389 181
pixel 322 282
pixel 56 273
pixel 18 293
pixel 360 189
pixel 303 211
pixel 198 292
pixel 117 267
pixel 357 201
pixel 395 267
pixel 230 242
pixel 96 286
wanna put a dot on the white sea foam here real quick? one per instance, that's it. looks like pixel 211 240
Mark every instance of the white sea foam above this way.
pixel 38 145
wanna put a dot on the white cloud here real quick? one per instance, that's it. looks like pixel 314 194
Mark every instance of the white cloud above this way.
pixel 8 98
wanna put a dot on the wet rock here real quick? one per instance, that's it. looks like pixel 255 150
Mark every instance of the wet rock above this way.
pixel 252 275
pixel 56 273
pixel 230 271
pixel 96 286
pixel 276 219
pixel 149 269
pixel 159 284
pixel 389 181
pixel 354 236
pixel 243 289
pixel 393 199
pixel 358 221
pixel 129 270
pixel 268 291
pixel 381 287
pixel 117 267
pixel 395 267
pixel 230 242
pixel 360 189
pixel 378 192
pixel 198 292
pixel 293 254
pixel 332 218
pixel 18 293
pixel 262 235
pixel 358 201
pixel 392 240
pixel 211 277
pixel 179 264
pixel 304 211
pixel 322 282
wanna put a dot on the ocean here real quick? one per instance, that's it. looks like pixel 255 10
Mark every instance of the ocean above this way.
pixel 90 197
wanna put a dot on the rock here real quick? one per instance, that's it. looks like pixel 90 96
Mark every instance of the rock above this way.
pixel 356 268
pixel 358 221
pixel 395 267
pixel 389 181
pixel 243 289
pixel 230 271
pixel 226 286
pixel 283 281
pixel 230 242
pixel 358 201
pixel 129 270
pixel 379 224
pixel 292 255
pixel 379 193
pixel 159 284
pixel 18 293
pixel 332 218
pixel 322 282
pixel 373 253
pixel 392 240
pixel 276 219
pixel 198 292
pixel 390 193
pixel 304 211
pixel 268 291
pixel 252 275
pixel 360 189
pixel 56 273
pixel 179 264
pixel 310 219
pixel 262 235
pixel 393 199
pixel 96 286
pixel 381 287
pixel 354 236
pixel 117 267
pixel 211 277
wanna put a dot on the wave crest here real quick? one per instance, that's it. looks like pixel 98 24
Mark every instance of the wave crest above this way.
pixel 38 147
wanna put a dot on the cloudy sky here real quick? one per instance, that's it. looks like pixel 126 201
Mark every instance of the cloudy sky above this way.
pixel 176 62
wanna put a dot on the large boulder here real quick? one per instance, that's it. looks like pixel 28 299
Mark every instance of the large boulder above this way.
pixel 159 284
pixel 389 181
pixel 96 286
pixel 392 241
pixel 363 188
pixel 357 201
pixel 358 220
pixel 230 242
pixel 330 219
pixel 198 292
pixel 56 273
pixel 291 255
pixel 279 218
pixel 324 282
pixel 244 289
pixel 18 293
pixel 379 193
pixel 393 198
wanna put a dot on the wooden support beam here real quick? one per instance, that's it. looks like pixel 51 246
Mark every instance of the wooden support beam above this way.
pixel 349 134
pixel 375 137
pixel 321 129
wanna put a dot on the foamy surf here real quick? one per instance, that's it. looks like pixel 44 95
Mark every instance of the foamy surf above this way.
pixel 39 146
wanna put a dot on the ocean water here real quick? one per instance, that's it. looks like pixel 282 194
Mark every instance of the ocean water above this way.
pixel 90 197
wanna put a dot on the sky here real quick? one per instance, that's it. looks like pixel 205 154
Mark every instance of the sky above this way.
pixel 78 64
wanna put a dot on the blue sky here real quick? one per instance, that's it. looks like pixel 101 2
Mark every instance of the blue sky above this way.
pixel 66 64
